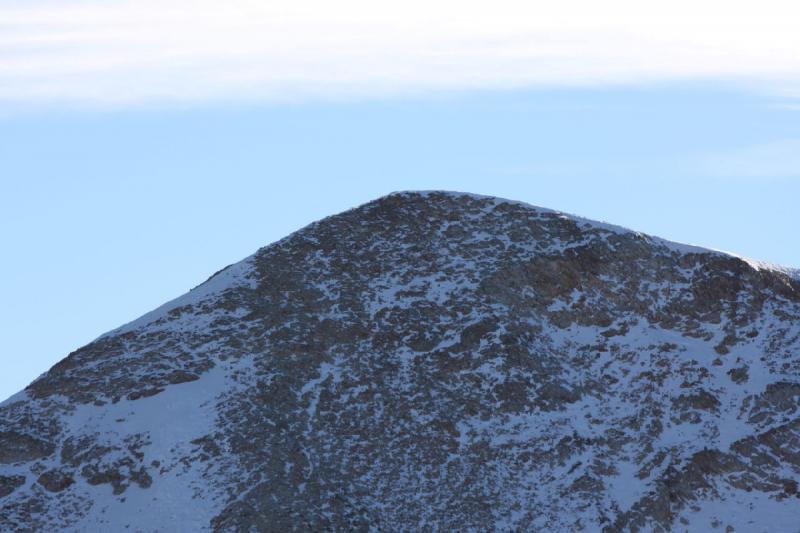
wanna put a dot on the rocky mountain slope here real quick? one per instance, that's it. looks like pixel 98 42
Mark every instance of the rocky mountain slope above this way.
pixel 430 362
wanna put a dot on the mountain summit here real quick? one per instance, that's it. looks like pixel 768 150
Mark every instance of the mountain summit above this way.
pixel 429 361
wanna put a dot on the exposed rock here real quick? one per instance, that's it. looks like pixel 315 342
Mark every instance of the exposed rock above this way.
pixel 16 447
pixel 738 375
pixel 55 480
pixel 9 484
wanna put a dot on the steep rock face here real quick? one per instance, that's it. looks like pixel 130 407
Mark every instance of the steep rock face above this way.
pixel 430 361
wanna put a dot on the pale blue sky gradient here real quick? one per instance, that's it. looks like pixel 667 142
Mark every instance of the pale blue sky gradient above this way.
pixel 106 215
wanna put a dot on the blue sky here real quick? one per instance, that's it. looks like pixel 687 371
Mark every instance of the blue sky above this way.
pixel 123 185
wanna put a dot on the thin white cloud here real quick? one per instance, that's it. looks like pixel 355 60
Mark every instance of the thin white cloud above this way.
pixel 774 160
pixel 121 52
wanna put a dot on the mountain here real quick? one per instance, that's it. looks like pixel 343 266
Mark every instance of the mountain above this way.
pixel 430 361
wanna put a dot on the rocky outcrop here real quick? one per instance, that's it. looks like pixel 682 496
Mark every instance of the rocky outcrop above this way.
pixel 55 480
pixel 17 447
pixel 9 484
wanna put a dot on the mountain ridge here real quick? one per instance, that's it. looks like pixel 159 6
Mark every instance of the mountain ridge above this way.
pixel 429 360
pixel 676 245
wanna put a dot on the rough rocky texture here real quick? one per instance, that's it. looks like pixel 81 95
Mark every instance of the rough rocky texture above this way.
pixel 430 361
pixel 9 484
pixel 55 480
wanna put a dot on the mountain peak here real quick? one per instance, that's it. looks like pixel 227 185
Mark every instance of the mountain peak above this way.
pixel 429 360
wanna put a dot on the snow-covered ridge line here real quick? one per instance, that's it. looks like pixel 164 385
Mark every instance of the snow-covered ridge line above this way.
pixel 236 274
pixel 672 245
pixel 763 265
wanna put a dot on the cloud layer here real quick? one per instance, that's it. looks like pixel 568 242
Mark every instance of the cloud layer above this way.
pixel 132 52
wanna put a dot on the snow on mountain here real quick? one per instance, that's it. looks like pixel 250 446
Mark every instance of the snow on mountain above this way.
pixel 430 361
